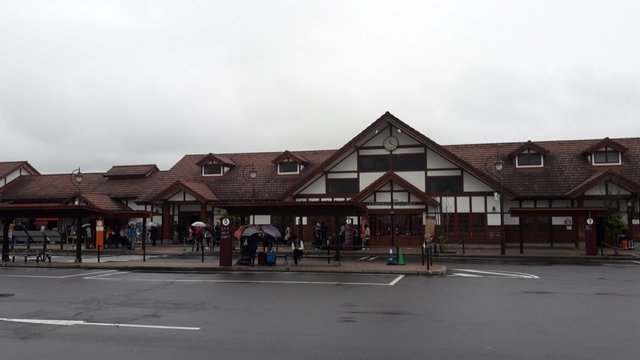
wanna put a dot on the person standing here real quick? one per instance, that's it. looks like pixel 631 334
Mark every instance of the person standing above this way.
pixel 131 236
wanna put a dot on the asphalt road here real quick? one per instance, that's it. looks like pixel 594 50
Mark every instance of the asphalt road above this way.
pixel 477 311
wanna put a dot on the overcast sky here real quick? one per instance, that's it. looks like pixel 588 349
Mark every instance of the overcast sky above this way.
pixel 101 83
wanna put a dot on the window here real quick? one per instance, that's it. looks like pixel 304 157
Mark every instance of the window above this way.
pixel 288 167
pixel 606 155
pixel 374 163
pixel 403 225
pixel 529 159
pixel 409 162
pixel 408 225
pixel 342 186
pixel 445 184
pixel 212 169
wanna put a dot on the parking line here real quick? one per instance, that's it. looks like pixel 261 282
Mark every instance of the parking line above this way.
pixel 81 322
pixel 239 281
pixel 105 272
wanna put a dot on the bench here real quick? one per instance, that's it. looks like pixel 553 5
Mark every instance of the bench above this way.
pixel 38 255
pixel 329 257
pixel 283 256
pixel 29 237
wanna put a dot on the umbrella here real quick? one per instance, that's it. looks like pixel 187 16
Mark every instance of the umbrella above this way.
pixel 246 230
pixel 86 226
pixel 132 223
pixel 271 230
pixel 199 224
pixel 152 224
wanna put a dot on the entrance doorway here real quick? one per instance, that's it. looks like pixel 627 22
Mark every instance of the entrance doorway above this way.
pixel 396 229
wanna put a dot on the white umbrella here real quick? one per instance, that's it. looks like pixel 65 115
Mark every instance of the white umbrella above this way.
pixel 132 223
pixel 199 224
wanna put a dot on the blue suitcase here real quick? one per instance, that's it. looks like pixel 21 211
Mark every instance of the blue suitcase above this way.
pixel 271 258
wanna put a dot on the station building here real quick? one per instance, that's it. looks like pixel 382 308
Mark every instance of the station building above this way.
pixel 401 184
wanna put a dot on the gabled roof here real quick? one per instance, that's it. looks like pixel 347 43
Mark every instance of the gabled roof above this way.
pixel 197 189
pixel 387 119
pixel 529 145
pixel 130 171
pixel 605 142
pixel 289 155
pixel 7 167
pixel 598 178
pixel 217 159
pixel 386 178
pixel 103 202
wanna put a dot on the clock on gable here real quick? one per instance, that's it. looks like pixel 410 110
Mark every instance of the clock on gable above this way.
pixel 390 143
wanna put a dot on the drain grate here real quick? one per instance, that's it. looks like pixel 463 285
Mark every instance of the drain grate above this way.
pixel 7 295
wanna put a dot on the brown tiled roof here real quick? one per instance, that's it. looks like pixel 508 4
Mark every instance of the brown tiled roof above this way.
pixel 130 171
pixel 198 189
pixel 235 185
pixel 565 170
pixel 8 167
pixel 59 187
pixel 104 202
pixel 564 166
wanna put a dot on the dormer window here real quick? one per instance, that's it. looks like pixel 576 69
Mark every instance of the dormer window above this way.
pixel 529 155
pixel 605 152
pixel 215 165
pixel 289 163
pixel 529 158
pixel 288 167
pixel 212 169
pixel 606 156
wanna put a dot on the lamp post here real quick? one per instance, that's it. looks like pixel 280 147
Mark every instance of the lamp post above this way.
pixel 499 164
pixel 76 179
pixel 249 174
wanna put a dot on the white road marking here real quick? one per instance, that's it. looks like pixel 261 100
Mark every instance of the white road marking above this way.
pixel 111 272
pixel 637 262
pixel 495 273
pixel 396 280
pixel 81 322
pixel 464 275
pixel 108 277
pixel 105 272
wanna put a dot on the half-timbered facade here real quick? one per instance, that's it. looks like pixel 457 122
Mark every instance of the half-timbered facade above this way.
pixel 397 181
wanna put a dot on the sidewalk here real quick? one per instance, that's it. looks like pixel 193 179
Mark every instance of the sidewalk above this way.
pixel 373 260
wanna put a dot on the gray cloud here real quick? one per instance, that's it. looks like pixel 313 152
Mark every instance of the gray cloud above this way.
pixel 99 83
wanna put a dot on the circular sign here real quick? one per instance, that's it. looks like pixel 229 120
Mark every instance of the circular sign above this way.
pixel 590 221
pixel 349 221
pixel 226 221
pixel 99 223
